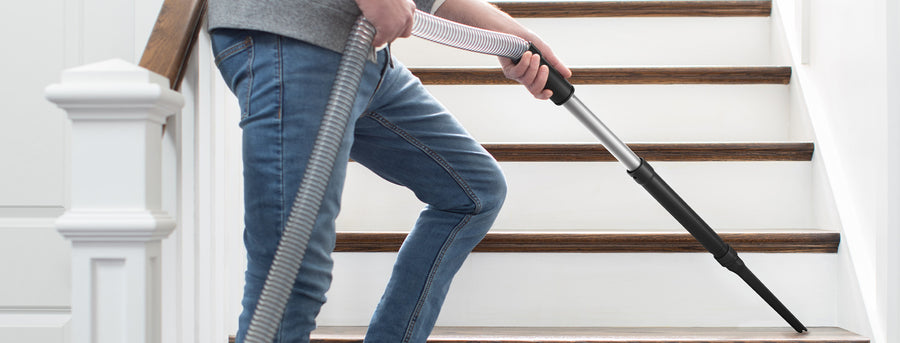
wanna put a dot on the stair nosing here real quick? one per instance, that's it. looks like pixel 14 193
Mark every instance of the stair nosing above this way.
pixel 441 334
pixel 768 241
pixel 617 75
pixel 595 152
pixel 595 9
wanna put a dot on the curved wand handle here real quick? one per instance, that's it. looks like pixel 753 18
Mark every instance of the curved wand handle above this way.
pixel 562 89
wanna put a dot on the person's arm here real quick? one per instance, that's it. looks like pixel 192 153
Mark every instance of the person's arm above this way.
pixel 528 71
pixel 392 18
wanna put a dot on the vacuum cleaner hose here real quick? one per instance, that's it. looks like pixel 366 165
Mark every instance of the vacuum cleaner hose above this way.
pixel 470 38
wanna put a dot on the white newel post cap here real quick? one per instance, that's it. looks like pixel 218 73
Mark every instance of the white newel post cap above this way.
pixel 114 84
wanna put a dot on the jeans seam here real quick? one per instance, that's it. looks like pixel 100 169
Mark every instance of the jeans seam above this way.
pixel 281 152
pixel 431 153
pixel 281 159
pixel 379 85
pixel 279 73
pixel 426 289
pixel 250 59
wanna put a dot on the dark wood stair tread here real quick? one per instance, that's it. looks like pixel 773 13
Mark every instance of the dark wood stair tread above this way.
pixel 354 334
pixel 770 241
pixel 637 9
pixel 617 75
pixel 595 152
pixel 605 335
pixel 663 152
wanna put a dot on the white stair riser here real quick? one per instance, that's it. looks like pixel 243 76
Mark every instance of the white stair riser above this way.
pixel 603 41
pixel 601 196
pixel 494 289
pixel 636 113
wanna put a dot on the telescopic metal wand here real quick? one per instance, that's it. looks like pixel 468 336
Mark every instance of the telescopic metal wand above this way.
pixel 478 40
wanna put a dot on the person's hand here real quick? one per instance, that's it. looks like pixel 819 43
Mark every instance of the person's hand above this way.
pixel 529 71
pixel 392 18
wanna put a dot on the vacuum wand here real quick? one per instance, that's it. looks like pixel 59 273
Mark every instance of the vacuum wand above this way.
pixel 474 39
pixel 640 170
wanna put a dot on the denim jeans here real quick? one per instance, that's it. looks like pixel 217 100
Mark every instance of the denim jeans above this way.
pixel 399 131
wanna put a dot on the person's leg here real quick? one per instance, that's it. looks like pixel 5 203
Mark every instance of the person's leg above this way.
pixel 282 86
pixel 408 138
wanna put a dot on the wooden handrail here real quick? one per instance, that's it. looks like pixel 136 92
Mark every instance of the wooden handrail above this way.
pixel 170 44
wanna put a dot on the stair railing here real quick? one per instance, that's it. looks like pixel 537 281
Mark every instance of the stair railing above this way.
pixel 117 217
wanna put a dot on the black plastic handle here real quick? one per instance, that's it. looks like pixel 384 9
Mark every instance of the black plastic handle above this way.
pixel 562 89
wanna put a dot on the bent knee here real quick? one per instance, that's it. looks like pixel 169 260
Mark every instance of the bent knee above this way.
pixel 493 193
pixel 479 189
pixel 488 193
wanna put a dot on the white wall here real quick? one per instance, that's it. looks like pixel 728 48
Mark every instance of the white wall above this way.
pixel 43 37
pixel 892 262
pixel 840 58
pixel 32 149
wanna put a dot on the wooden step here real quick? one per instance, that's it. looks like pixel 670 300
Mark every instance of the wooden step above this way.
pixel 663 152
pixel 781 241
pixel 586 152
pixel 606 335
pixel 618 75
pixel 637 9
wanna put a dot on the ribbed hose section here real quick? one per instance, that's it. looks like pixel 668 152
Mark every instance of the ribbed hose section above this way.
pixel 300 223
pixel 466 37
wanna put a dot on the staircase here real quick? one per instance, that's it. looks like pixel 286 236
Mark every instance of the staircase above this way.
pixel 583 254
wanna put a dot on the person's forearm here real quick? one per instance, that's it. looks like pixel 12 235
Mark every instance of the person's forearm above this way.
pixel 528 70
pixel 481 14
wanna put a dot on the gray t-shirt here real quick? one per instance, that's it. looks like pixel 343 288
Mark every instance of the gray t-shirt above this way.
pixel 325 23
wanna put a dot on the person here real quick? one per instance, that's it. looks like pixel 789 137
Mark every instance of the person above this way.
pixel 280 58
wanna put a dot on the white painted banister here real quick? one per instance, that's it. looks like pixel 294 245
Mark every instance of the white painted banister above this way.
pixel 115 221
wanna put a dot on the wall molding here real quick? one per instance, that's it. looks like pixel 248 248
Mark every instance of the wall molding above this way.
pixel 36 222
pixel 35 324
pixel 14 214
pixel 34 316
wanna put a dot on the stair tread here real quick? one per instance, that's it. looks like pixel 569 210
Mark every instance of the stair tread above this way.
pixel 637 9
pixel 595 152
pixel 354 334
pixel 780 241
pixel 617 75
pixel 606 334
pixel 665 152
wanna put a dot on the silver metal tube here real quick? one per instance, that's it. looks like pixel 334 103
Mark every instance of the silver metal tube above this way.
pixel 609 140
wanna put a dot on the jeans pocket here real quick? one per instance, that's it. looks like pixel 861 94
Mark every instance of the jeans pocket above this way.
pixel 233 51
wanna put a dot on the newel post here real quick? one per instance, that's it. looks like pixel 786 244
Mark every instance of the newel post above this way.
pixel 115 221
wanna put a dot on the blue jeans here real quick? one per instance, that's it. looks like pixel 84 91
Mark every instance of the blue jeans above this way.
pixel 399 131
